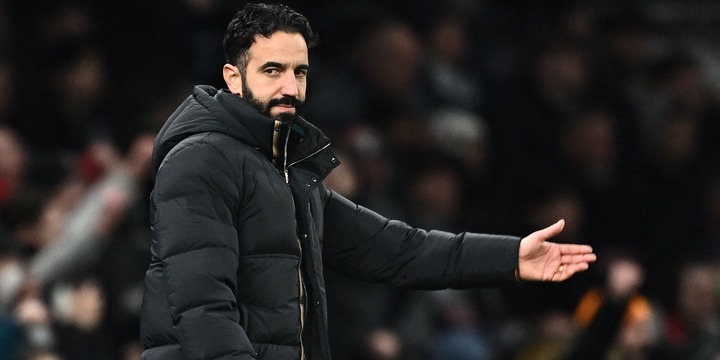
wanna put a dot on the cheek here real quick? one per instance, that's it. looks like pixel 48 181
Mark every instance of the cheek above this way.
pixel 262 88
pixel 302 88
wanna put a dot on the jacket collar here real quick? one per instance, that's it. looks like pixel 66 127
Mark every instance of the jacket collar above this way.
pixel 271 137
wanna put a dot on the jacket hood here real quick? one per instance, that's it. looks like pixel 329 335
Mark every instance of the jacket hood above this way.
pixel 210 110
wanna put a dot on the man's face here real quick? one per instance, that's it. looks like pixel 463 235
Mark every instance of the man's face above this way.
pixel 276 75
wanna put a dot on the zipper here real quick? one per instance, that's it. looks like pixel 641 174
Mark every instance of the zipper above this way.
pixel 301 281
pixel 301 303
pixel 306 157
pixel 285 154
pixel 301 291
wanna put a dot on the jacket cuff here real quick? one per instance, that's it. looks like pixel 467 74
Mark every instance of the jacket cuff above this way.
pixel 491 259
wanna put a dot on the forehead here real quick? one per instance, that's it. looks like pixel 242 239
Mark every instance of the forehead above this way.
pixel 280 47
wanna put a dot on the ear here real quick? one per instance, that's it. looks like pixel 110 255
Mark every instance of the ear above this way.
pixel 233 79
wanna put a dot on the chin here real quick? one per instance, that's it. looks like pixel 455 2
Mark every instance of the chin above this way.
pixel 285 117
pixel 284 112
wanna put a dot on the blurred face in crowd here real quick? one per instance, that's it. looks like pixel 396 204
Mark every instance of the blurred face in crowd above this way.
pixel 275 78
pixel 12 154
pixel 697 294
pixel 389 59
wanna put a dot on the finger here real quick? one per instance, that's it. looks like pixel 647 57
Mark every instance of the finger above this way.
pixel 551 230
pixel 575 249
pixel 577 258
pixel 569 270
pixel 577 267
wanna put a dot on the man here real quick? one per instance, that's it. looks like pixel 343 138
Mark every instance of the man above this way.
pixel 243 226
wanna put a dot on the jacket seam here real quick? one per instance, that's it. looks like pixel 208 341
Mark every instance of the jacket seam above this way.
pixel 214 246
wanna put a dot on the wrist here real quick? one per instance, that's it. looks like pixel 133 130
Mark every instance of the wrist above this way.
pixel 518 279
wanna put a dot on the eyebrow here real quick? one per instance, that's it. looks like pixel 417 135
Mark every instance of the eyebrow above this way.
pixel 282 66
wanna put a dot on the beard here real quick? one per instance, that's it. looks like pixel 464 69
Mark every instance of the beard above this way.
pixel 264 107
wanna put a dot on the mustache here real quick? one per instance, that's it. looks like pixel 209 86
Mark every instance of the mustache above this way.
pixel 285 100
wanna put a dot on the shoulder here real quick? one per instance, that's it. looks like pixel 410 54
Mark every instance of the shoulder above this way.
pixel 206 156
pixel 196 151
pixel 207 149
pixel 209 159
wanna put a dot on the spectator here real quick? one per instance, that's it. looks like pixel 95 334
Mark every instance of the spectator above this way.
pixel 617 320
pixel 13 159
pixel 693 325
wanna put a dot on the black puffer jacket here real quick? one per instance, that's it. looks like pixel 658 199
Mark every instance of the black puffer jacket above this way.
pixel 241 234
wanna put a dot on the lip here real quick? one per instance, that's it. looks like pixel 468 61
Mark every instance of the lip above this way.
pixel 285 108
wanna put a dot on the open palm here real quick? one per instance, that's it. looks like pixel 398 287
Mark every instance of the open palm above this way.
pixel 541 260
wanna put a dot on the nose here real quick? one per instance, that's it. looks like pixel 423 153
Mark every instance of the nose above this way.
pixel 289 85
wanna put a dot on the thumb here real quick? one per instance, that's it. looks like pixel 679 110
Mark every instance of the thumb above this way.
pixel 530 245
pixel 551 230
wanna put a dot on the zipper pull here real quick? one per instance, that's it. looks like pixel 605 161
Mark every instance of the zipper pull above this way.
pixel 287 176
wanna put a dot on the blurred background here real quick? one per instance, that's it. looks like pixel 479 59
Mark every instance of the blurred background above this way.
pixel 459 115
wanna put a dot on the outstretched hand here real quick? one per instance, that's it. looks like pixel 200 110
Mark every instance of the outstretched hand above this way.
pixel 541 260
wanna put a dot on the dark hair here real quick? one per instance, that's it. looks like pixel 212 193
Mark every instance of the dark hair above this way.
pixel 263 20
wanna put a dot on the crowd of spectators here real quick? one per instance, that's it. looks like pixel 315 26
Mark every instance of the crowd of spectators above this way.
pixel 458 115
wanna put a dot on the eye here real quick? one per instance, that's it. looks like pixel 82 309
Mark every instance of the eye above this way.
pixel 301 73
pixel 272 71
